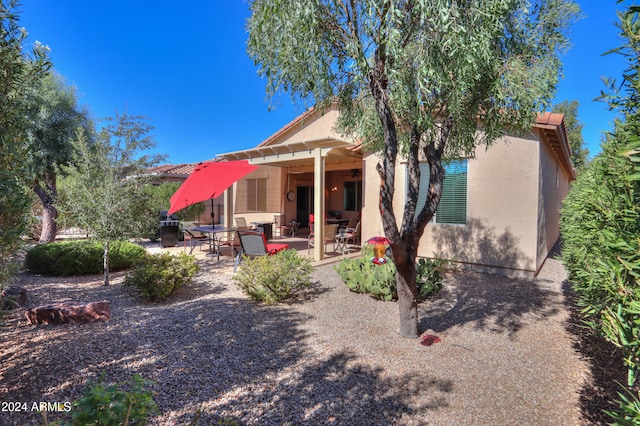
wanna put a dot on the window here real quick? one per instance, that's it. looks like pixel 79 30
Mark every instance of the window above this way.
pixel 353 196
pixel 453 202
pixel 256 195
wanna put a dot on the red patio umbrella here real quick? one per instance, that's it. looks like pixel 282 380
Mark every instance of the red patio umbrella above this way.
pixel 208 180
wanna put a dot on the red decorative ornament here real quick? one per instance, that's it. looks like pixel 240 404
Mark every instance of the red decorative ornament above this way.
pixel 379 249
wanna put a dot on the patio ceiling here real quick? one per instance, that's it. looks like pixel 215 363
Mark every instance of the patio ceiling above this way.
pixel 299 156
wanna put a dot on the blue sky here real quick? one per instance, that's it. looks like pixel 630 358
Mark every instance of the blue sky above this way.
pixel 185 67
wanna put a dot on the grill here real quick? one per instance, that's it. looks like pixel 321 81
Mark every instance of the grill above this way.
pixel 169 229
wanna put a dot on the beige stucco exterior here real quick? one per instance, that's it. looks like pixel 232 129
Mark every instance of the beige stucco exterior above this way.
pixel 512 208
pixel 514 190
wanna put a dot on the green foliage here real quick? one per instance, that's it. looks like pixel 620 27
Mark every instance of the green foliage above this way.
pixel 427 80
pixel 54 116
pixel 158 276
pixel 103 189
pixel 80 257
pixel 361 275
pixel 600 228
pixel 19 71
pixel 129 403
pixel 600 221
pixel 274 278
pixel 579 153
pixel 159 196
pixel 629 414
pixel 428 276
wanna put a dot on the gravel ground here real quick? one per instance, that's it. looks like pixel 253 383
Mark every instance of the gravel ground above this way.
pixel 328 357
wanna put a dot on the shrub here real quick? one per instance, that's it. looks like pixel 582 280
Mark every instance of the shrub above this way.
pixel 81 257
pixel 157 276
pixel 361 275
pixel 128 403
pixel 600 224
pixel 274 278
pixel 428 276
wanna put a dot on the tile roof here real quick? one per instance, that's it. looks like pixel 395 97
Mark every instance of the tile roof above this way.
pixel 172 170
pixel 552 128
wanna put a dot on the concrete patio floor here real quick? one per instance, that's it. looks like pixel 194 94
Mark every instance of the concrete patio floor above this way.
pixel 226 261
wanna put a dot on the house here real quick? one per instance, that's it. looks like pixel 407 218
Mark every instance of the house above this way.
pixel 499 211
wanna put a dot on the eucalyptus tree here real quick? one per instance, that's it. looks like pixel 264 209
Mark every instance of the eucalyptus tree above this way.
pixel 54 116
pixel 426 80
pixel 20 68
pixel 103 186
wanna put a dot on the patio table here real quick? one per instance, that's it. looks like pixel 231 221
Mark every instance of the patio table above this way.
pixel 214 242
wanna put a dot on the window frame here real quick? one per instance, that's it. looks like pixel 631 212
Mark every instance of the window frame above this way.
pixel 461 166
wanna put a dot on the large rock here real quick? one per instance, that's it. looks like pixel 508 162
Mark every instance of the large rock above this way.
pixel 12 297
pixel 69 312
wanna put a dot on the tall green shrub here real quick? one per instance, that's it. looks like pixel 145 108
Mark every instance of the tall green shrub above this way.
pixel 600 221
pixel 600 228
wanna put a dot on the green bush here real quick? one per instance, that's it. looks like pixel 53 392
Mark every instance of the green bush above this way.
pixel 127 403
pixel 361 275
pixel 428 276
pixel 274 278
pixel 81 257
pixel 600 224
pixel 157 276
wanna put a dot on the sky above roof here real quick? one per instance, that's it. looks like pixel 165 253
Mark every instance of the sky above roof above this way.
pixel 184 66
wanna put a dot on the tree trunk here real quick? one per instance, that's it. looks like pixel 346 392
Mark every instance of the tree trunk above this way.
pixel 47 196
pixel 105 259
pixel 407 299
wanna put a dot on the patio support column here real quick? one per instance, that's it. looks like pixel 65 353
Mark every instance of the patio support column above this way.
pixel 318 201
pixel 228 207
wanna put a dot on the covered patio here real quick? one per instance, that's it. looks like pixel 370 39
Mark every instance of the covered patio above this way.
pixel 306 171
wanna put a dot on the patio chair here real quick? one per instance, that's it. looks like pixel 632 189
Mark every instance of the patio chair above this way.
pixel 231 240
pixel 193 239
pixel 241 222
pixel 253 244
pixel 329 237
pixel 281 227
pixel 353 234
pixel 293 226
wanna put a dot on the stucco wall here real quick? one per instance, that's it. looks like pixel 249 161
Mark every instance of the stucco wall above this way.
pixel 311 128
pixel 554 186
pixel 502 209
pixel 275 187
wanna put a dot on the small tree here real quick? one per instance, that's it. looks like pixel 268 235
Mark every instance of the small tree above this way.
pixel 104 188
pixel 427 80
pixel 54 117
pixel 19 70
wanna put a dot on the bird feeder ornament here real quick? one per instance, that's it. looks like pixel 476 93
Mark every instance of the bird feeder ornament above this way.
pixel 379 249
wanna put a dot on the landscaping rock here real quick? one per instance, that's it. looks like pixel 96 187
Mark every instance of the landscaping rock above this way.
pixel 12 297
pixel 69 312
